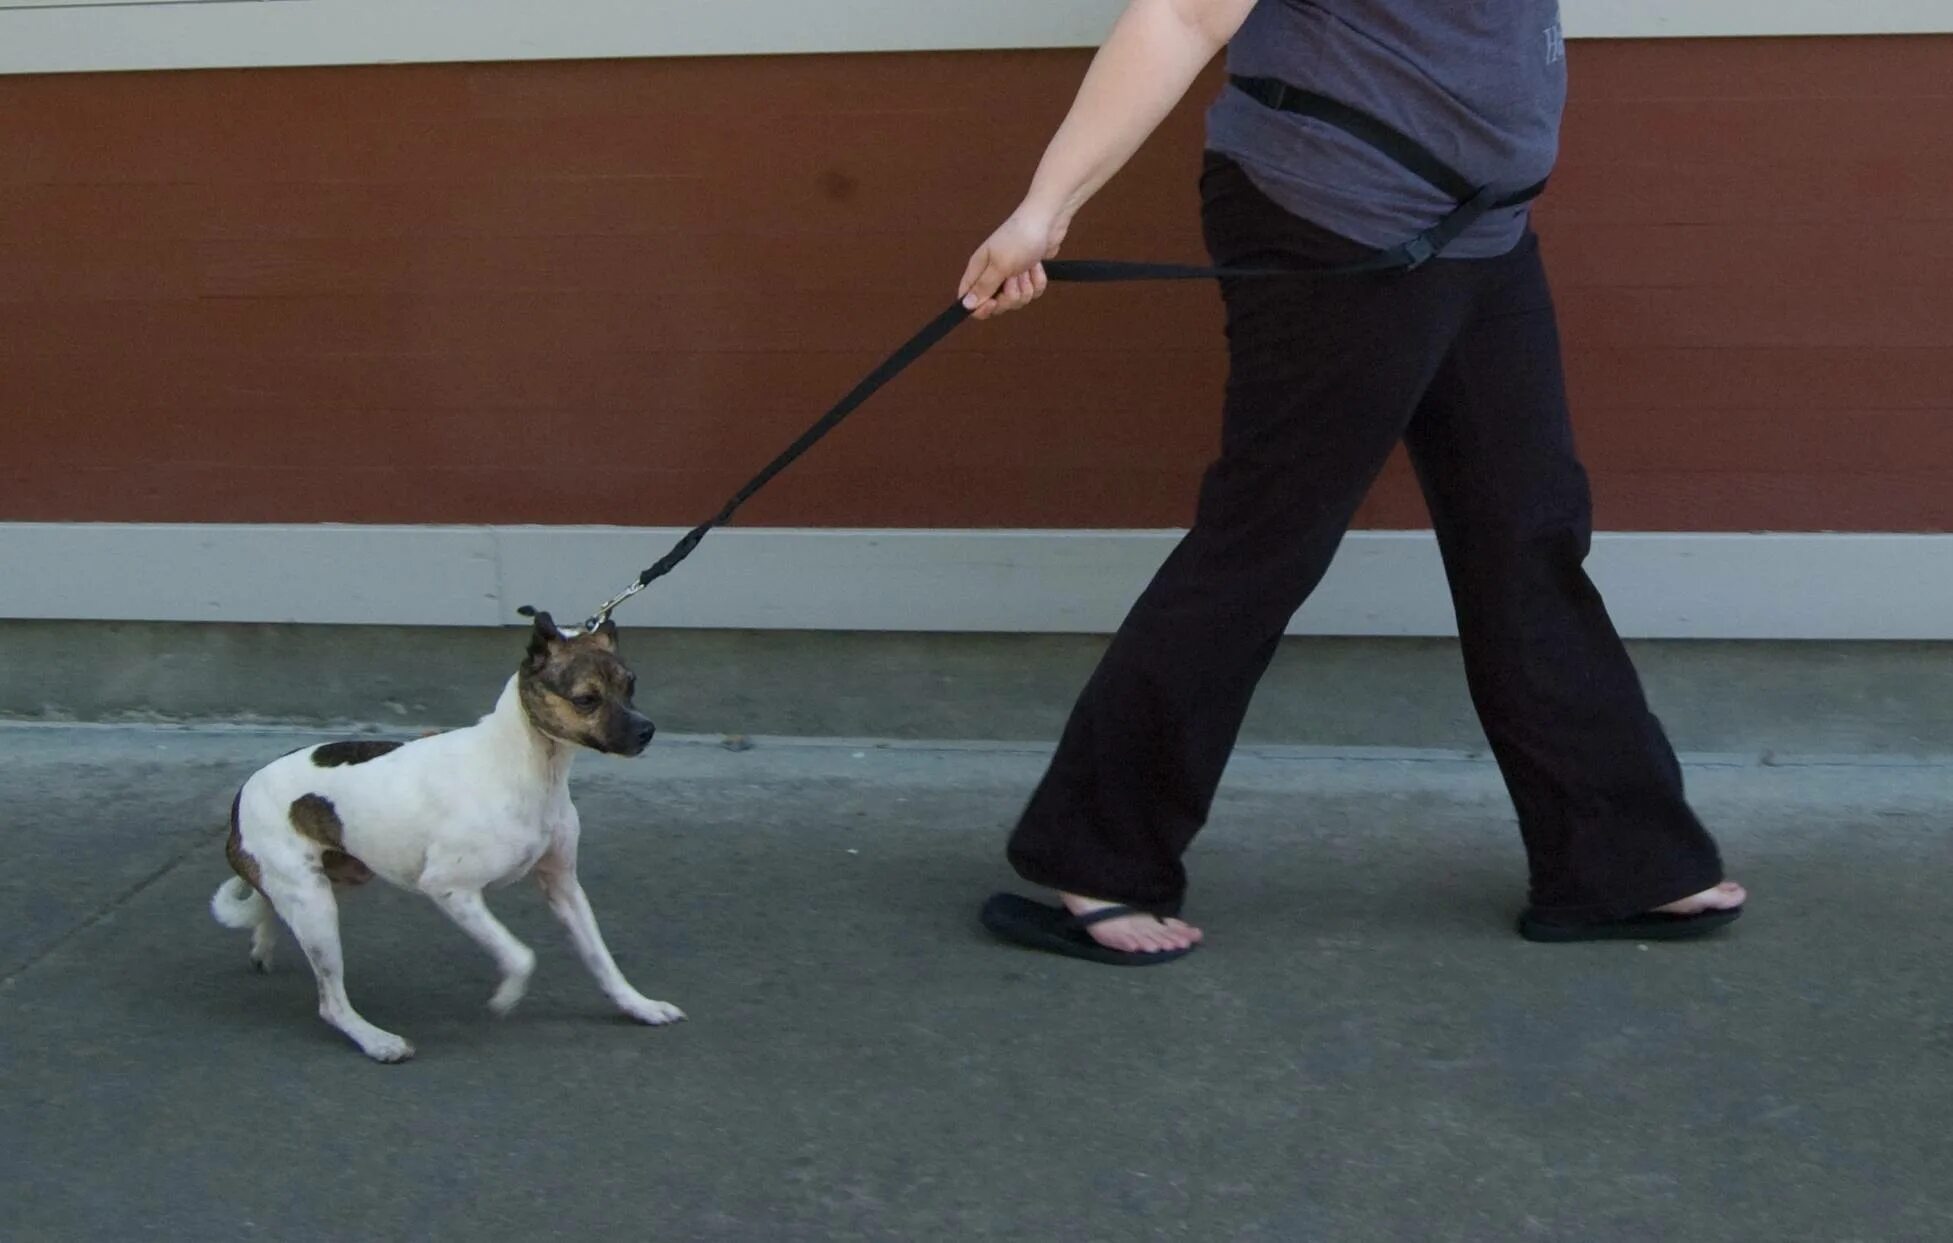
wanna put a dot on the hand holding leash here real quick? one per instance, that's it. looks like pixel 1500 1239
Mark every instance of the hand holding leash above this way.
pixel 1007 273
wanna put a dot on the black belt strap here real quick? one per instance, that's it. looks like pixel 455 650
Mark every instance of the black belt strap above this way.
pixel 1393 142
pixel 1403 257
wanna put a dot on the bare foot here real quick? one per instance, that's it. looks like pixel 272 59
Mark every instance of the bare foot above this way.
pixel 1723 897
pixel 1134 934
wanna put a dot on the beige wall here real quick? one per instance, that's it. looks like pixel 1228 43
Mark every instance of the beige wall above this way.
pixel 38 37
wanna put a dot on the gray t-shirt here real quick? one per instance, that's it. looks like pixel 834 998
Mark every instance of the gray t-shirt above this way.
pixel 1480 82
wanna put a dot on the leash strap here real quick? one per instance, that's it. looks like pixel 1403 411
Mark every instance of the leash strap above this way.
pixel 1411 254
pixel 915 347
pixel 1473 203
pixel 1408 256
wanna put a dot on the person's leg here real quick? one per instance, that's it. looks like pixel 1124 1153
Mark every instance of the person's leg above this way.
pixel 1323 376
pixel 1608 832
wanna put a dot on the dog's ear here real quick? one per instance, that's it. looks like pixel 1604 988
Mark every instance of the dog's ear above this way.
pixel 542 637
pixel 606 633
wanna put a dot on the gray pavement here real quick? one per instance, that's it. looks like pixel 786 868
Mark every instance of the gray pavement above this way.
pixel 1363 1050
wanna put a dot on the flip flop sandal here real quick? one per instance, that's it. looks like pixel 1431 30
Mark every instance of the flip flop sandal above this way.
pixel 1652 926
pixel 1057 931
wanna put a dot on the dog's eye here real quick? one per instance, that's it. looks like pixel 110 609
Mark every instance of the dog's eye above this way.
pixel 587 702
pixel 630 685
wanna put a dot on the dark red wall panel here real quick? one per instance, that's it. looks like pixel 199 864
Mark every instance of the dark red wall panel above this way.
pixel 607 291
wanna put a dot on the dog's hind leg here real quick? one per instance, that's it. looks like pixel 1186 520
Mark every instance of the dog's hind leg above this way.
pixel 572 907
pixel 238 904
pixel 516 960
pixel 264 941
pixel 307 906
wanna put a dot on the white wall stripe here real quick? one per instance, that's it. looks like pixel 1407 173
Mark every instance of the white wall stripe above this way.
pixel 1702 586
pixel 57 38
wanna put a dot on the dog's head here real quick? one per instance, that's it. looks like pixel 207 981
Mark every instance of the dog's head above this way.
pixel 576 689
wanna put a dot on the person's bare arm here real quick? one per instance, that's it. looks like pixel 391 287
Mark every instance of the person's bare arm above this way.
pixel 1146 64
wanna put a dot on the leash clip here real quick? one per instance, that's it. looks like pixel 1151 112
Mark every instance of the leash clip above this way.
pixel 609 606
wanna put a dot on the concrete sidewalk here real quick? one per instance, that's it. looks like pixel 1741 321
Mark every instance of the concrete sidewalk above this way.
pixel 1363 1050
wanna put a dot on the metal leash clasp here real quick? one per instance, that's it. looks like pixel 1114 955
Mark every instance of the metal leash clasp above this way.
pixel 609 606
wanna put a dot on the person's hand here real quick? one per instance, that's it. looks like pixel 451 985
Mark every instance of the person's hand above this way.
pixel 1007 271
pixel 1155 51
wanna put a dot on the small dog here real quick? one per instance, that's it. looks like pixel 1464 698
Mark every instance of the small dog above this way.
pixel 446 815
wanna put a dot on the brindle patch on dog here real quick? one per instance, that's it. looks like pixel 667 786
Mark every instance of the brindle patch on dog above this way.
pixel 340 754
pixel 342 869
pixel 234 853
pixel 314 816
pixel 559 671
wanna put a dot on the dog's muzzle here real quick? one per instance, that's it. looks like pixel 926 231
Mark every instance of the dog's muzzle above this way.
pixel 641 731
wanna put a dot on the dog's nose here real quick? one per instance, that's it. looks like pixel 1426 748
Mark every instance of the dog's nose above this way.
pixel 645 730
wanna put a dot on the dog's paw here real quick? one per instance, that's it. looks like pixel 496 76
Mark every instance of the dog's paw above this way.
pixel 509 994
pixel 515 983
pixel 653 1013
pixel 263 942
pixel 387 1047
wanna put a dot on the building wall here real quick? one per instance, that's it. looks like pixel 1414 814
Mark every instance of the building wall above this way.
pixel 603 292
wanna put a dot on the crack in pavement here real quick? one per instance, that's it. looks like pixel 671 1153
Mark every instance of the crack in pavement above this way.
pixel 95 917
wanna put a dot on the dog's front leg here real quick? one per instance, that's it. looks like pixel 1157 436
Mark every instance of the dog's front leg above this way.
pixel 516 960
pixel 566 898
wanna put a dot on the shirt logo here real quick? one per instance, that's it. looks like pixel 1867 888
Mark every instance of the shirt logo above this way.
pixel 1555 44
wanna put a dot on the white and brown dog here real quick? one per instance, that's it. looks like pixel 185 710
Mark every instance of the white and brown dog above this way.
pixel 447 815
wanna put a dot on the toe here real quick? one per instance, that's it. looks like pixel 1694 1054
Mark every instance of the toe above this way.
pixel 1157 936
pixel 1723 897
pixel 1134 934
pixel 1182 933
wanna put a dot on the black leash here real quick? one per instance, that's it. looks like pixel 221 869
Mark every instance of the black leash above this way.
pixel 915 347
pixel 1091 271
pixel 1472 204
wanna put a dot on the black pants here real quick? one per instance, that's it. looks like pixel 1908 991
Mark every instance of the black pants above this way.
pixel 1461 360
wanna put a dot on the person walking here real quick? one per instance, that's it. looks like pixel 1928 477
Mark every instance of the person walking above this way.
pixel 1408 135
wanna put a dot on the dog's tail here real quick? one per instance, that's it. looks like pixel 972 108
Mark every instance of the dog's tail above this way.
pixel 237 902
pixel 237 905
